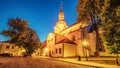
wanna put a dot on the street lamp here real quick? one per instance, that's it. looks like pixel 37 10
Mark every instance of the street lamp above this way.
pixel 85 44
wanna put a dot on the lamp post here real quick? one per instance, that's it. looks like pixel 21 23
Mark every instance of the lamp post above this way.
pixel 79 58
pixel 85 44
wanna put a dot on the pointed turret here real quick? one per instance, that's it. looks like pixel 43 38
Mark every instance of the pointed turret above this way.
pixel 61 14
pixel 61 24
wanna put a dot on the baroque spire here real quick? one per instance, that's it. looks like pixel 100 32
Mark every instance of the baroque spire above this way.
pixel 61 24
pixel 61 13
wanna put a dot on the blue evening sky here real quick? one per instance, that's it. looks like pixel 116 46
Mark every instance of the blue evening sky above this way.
pixel 42 15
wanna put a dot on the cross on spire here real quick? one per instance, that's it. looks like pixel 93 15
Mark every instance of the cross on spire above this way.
pixel 61 10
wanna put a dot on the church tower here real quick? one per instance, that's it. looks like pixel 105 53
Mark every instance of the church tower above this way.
pixel 61 24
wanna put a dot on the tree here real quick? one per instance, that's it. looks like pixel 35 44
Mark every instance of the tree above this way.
pixel 88 12
pixel 89 9
pixel 21 35
pixel 111 27
pixel 109 12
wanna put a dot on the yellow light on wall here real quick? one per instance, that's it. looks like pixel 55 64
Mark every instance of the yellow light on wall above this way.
pixel 65 35
pixel 46 49
pixel 85 42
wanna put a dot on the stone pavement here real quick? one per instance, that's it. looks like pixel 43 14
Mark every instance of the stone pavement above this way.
pixel 29 62
pixel 83 62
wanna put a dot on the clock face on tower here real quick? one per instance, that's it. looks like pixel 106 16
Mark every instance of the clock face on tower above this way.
pixel 61 26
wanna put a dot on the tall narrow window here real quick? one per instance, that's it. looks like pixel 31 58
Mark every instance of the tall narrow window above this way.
pixel 56 51
pixel 84 33
pixel 60 51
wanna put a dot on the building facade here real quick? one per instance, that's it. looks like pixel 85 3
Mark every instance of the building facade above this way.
pixel 14 50
pixel 6 47
pixel 74 40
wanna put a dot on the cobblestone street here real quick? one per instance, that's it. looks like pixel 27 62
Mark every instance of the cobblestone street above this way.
pixel 36 63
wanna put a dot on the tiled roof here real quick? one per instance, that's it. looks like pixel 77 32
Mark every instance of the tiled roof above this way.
pixel 43 44
pixel 66 40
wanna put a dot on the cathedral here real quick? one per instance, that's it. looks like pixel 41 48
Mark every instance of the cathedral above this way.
pixel 70 41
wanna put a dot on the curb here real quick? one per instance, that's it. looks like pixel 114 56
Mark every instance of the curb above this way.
pixel 71 62
pixel 98 66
